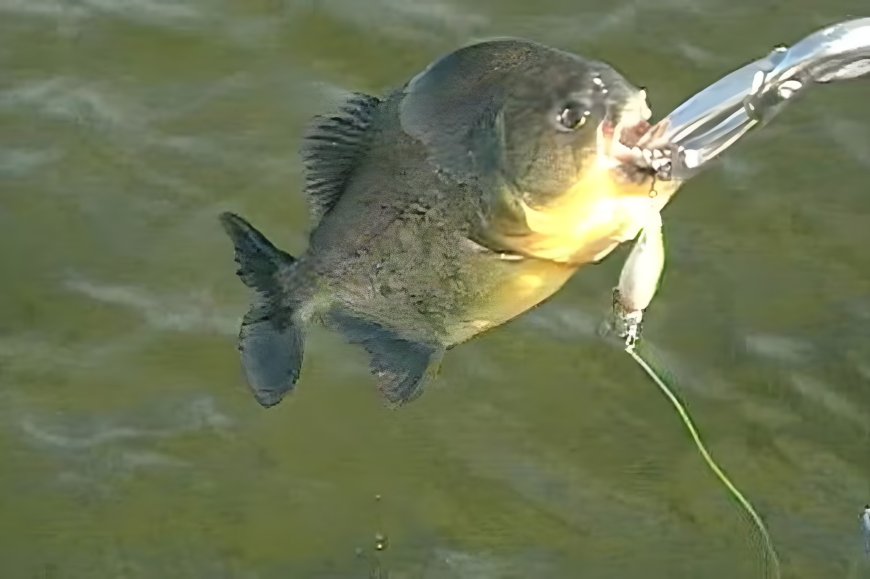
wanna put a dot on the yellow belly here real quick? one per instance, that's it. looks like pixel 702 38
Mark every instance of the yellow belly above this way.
pixel 525 285
pixel 587 222
pixel 582 226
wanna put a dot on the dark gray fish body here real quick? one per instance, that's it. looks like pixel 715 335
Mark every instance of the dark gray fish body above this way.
pixel 454 204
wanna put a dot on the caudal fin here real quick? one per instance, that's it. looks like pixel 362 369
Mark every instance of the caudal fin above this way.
pixel 270 340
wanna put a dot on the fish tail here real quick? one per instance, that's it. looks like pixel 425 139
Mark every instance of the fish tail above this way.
pixel 271 338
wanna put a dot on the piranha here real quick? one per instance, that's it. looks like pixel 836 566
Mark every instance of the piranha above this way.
pixel 446 208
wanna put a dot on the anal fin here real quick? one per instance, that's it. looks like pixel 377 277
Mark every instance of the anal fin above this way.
pixel 402 366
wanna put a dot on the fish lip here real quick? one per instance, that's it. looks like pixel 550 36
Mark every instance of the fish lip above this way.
pixel 619 143
pixel 624 137
pixel 630 134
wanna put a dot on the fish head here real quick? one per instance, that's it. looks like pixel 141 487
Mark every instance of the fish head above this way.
pixel 549 135
pixel 570 117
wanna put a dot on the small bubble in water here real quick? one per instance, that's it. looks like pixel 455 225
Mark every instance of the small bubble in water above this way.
pixel 377 497
pixel 380 542
pixel 653 193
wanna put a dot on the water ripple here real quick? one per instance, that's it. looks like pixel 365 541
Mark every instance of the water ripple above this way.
pixel 167 13
pixel 195 312
pixel 410 20
pixel 70 99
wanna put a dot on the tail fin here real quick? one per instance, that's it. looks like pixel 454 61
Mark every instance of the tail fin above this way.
pixel 270 340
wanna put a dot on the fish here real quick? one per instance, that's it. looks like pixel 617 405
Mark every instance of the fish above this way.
pixel 446 208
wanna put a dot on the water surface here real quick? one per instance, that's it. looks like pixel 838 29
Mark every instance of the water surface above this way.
pixel 131 448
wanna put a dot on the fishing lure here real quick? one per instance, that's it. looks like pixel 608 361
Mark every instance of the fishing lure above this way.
pixel 639 280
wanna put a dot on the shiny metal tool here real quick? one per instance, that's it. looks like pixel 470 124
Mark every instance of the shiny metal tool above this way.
pixel 712 120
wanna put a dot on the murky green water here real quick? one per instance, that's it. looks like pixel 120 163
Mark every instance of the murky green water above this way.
pixel 129 446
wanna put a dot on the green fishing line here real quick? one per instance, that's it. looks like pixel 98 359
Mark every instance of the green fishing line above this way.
pixel 684 415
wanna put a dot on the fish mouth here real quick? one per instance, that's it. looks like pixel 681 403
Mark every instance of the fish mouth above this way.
pixel 621 139
pixel 621 143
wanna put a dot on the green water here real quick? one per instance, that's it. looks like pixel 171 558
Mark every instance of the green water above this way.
pixel 130 448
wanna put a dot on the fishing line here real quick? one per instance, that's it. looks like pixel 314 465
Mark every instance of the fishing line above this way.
pixel 696 437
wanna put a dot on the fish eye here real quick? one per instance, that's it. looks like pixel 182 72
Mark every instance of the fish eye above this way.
pixel 572 115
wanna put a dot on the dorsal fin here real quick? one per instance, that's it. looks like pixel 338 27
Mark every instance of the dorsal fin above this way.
pixel 331 149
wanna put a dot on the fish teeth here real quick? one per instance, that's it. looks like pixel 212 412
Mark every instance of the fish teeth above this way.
pixel 647 155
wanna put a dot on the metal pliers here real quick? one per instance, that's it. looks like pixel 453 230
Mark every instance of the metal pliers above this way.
pixel 714 119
